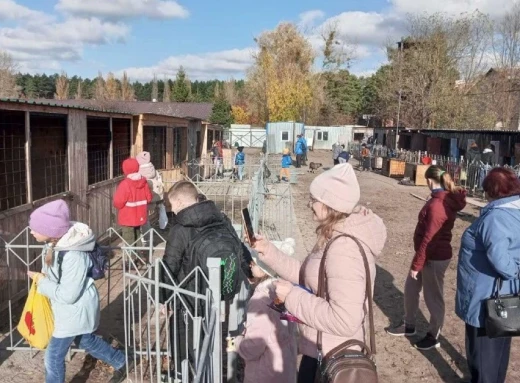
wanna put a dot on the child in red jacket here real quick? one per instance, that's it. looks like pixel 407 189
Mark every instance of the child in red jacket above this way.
pixel 131 199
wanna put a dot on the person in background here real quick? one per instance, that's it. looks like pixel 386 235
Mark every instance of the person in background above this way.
pixel 156 185
pixel 305 149
pixel 488 156
pixel 365 158
pixel 334 198
pixel 299 150
pixel 344 156
pixel 268 344
pixel 264 147
pixel 285 171
pixel 473 154
pixel 217 157
pixel 489 252
pixel 131 199
pixel 240 161
pixel 336 150
pixel 72 292
pixel 433 253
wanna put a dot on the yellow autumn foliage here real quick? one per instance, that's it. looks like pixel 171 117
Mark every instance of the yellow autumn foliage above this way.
pixel 240 115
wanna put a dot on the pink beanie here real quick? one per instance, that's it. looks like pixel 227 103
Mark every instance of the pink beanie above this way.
pixel 337 188
pixel 51 219
pixel 143 158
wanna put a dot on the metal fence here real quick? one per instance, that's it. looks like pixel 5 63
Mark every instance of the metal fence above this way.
pixel 138 283
pixel 464 174
pixel 137 292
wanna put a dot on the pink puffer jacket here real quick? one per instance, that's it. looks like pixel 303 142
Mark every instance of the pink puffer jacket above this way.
pixel 269 345
pixel 343 316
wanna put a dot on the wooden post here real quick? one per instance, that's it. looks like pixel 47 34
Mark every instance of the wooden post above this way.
pixel 111 152
pixel 28 157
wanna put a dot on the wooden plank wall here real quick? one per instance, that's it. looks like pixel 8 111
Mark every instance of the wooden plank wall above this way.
pixel 102 213
pixel 78 164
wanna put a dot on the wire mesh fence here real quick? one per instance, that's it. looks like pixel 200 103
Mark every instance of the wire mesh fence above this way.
pixel 49 174
pixel 13 177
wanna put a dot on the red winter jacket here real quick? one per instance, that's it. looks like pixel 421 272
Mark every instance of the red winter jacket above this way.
pixel 432 237
pixel 132 197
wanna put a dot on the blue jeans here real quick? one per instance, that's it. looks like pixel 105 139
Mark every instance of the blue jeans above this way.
pixel 92 344
pixel 240 172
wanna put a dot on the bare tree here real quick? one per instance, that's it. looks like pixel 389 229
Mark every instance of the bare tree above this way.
pixel 167 93
pixel 79 91
pixel 99 88
pixel 112 89
pixel 155 89
pixel 127 90
pixel 62 87
pixel 230 92
pixel 8 69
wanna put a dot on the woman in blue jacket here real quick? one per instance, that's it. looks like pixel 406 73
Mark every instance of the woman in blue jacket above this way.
pixel 240 161
pixel 490 249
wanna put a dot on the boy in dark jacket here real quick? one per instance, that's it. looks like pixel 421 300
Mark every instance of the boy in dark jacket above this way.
pixel 191 217
pixel 131 199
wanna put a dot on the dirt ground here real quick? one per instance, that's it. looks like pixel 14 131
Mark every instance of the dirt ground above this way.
pixel 397 360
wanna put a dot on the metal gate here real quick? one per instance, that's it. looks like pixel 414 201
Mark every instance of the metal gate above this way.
pixel 136 282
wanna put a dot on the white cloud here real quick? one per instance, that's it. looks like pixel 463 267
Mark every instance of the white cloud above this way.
pixel 453 7
pixel 221 64
pixel 309 18
pixel 58 42
pixel 123 9
pixel 10 10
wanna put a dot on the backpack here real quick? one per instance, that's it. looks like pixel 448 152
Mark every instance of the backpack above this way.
pixel 99 260
pixel 218 241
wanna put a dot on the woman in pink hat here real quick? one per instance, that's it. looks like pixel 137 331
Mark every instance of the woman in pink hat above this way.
pixel 66 280
pixel 334 197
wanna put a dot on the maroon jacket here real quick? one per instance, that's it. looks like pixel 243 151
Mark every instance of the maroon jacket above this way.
pixel 432 237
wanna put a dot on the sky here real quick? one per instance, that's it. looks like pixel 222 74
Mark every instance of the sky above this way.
pixel 209 38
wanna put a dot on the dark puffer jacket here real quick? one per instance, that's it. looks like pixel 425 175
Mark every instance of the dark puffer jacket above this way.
pixel 177 256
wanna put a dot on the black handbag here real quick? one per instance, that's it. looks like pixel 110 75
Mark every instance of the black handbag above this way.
pixel 502 314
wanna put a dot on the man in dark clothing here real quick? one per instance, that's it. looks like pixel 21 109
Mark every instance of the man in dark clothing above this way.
pixel 488 156
pixel 473 154
pixel 192 215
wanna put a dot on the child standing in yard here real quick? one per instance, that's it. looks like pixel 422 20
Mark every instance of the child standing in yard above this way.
pixel 131 199
pixel 285 172
pixel 268 344
pixel 240 161
pixel 156 185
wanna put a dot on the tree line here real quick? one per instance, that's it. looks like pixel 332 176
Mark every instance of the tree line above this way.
pixel 438 76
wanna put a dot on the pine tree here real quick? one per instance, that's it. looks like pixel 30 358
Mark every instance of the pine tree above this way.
pixel 221 113
pixel 181 91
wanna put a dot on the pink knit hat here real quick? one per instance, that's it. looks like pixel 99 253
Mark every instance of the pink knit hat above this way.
pixel 143 158
pixel 337 188
pixel 51 219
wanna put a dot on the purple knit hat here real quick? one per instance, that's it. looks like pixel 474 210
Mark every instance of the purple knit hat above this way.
pixel 51 219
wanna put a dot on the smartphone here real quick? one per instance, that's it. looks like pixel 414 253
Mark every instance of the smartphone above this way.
pixel 248 226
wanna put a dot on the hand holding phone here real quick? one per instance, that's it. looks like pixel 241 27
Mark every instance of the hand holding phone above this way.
pixel 248 225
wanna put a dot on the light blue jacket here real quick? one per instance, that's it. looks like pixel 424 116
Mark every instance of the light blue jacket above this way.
pixel 75 301
pixel 299 147
pixel 490 249
pixel 286 161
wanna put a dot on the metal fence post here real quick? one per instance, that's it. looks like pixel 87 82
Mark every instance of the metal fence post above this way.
pixel 214 285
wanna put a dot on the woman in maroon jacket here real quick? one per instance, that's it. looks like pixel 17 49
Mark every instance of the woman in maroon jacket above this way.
pixel 433 253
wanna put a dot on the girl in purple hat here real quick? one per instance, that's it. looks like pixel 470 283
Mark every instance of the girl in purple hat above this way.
pixel 73 294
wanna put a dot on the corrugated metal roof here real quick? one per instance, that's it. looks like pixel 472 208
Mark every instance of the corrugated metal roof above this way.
pixel 188 110
pixel 58 104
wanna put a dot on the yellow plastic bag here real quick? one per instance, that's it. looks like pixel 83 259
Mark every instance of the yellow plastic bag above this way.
pixel 37 322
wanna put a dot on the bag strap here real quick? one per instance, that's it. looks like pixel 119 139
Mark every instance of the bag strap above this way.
pixel 322 290
pixel 60 262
